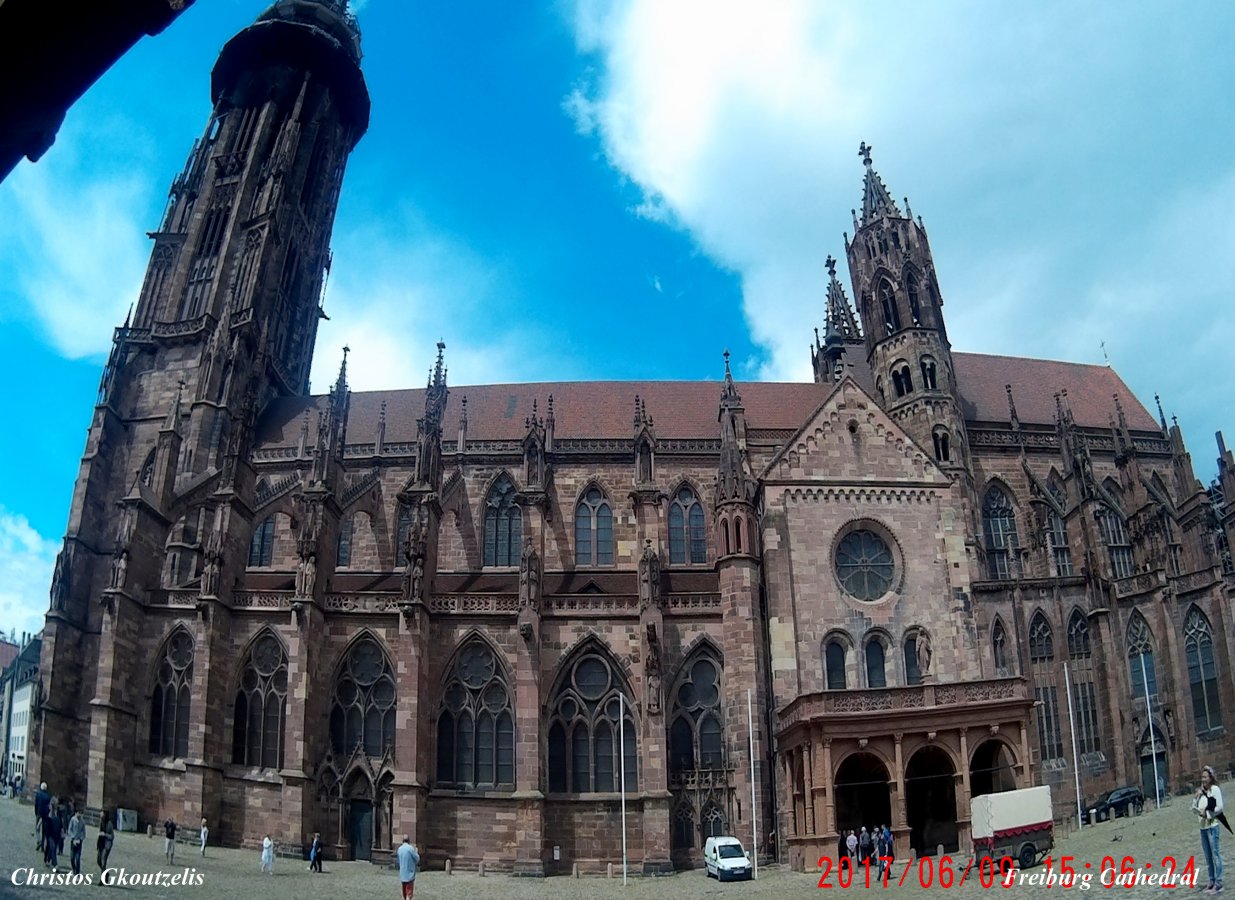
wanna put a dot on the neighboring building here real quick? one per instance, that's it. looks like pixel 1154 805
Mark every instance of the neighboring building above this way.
pixel 20 687
pixel 469 615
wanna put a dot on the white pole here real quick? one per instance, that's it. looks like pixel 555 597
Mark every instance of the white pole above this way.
pixel 1076 762
pixel 622 764
pixel 754 801
pixel 1153 744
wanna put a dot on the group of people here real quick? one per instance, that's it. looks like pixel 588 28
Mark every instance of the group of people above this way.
pixel 869 847
pixel 56 821
pixel 169 839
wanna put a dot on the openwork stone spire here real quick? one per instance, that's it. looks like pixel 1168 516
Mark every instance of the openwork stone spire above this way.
pixel 876 201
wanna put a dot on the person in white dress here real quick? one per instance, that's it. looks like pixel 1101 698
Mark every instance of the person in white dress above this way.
pixel 267 855
pixel 205 832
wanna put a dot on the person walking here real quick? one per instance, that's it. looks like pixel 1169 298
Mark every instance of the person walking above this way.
pixel 267 855
pixel 864 845
pixel 77 837
pixel 408 860
pixel 315 853
pixel 1208 808
pixel 53 838
pixel 169 841
pixel 205 833
pixel 42 803
pixel 107 836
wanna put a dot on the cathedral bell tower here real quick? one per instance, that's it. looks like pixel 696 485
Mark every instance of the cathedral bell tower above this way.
pixel 902 320
pixel 233 291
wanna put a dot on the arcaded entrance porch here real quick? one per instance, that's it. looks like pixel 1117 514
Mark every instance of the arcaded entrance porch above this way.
pixel 901 756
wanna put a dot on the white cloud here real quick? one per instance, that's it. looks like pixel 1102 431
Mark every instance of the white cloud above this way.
pixel 75 240
pixel 1037 145
pixel 26 563
pixel 398 287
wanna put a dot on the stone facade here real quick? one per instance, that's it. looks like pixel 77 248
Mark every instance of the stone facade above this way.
pixel 482 616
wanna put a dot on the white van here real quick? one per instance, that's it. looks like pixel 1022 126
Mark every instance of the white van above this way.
pixel 725 858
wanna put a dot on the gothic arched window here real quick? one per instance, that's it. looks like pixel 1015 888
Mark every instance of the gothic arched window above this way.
pixel 1061 553
pixel 169 703
pixel 999 527
pixel 503 525
pixel 1202 672
pixel 687 536
pixel 684 827
pixel 915 303
pixel 1142 676
pixel 1119 548
pixel 887 301
pixel 876 664
pixel 363 713
pixel 1078 636
pixel 695 737
pixel 261 546
pixel 261 706
pixel 593 530
pixel 1041 639
pixel 344 556
pixel 476 725
pixel 999 647
pixel 834 664
pixel 584 716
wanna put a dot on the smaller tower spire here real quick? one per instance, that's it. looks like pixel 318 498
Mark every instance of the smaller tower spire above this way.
pixel 876 201
pixel 1161 415
pixel 729 396
pixel 172 422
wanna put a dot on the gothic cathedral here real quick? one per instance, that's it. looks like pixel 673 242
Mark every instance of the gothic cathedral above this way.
pixel 479 615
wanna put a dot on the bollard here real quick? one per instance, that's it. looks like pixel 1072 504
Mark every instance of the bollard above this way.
pixel 482 868
pixel 575 870
pixel 610 875
pixel 1093 817
pixel 447 867
pixel 938 851
pixel 149 831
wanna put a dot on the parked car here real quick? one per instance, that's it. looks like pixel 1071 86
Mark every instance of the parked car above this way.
pixel 1123 801
pixel 724 858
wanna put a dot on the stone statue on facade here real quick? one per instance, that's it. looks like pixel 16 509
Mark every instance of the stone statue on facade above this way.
pixel 120 569
pixel 924 653
pixel 306 575
pixel 651 670
pixel 649 577
pixel 529 577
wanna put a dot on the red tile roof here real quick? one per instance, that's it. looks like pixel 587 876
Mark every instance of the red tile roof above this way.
pixel 688 409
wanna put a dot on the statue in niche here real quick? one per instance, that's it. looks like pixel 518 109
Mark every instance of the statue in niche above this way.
pixel 529 577
pixel 306 575
pixel 649 577
pixel 120 569
pixel 651 669
pixel 643 466
pixel 924 653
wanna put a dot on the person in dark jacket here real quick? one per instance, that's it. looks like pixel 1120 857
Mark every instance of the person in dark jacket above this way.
pixel 107 835
pixel 42 803
pixel 53 837
pixel 315 853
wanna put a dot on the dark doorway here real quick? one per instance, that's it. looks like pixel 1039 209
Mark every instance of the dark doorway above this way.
pixel 862 797
pixel 992 769
pixel 360 828
pixel 930 802
pixel 1147 752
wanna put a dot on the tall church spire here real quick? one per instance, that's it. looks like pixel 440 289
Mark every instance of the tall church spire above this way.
pixel 876 201
pixel 840 331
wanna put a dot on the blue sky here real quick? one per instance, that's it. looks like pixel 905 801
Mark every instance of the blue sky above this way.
pixel 622 190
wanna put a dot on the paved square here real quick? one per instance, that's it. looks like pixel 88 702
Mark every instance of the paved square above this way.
pixel 234 873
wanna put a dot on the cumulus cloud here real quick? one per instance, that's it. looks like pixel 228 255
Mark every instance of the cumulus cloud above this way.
pixel 400 286
pixel 1037 146
pixel 75 239
pixel 26 563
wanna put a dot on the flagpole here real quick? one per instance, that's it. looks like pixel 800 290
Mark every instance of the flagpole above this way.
pixel 1153 744
pixel 754 802
pixel 1076 767
pixel 622 764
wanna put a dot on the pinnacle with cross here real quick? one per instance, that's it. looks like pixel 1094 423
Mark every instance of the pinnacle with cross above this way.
pixel 864 151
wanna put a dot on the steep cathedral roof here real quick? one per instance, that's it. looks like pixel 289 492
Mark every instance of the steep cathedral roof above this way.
pixel 688 409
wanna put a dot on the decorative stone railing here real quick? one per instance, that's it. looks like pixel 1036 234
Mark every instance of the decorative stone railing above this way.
pixel 229 163
pixel 922 696
pixel 474 603
pixel 701 779
pixel 570 604
pixel 1194 581
pixel 262 600
pixel 1141 583
pixel 374 603
pixel 180 329
pixel 686 603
